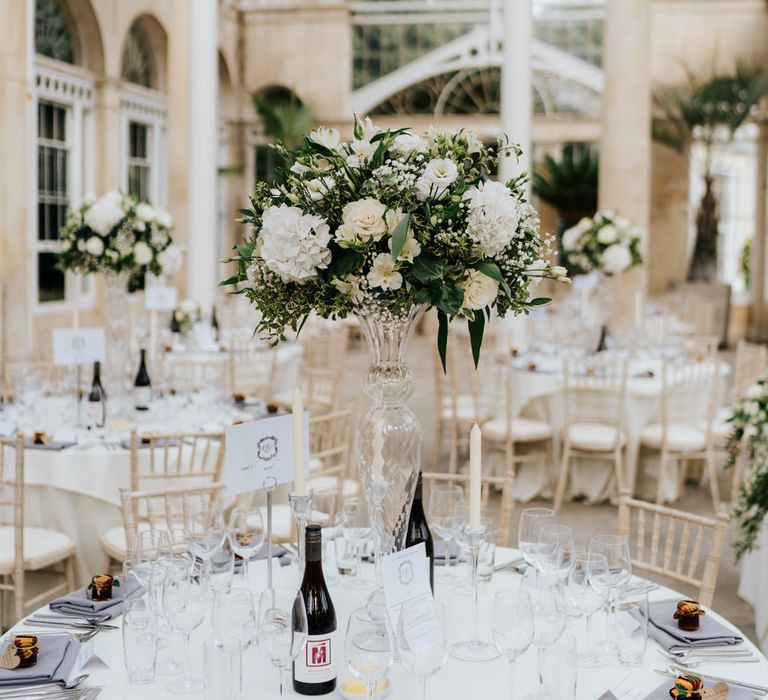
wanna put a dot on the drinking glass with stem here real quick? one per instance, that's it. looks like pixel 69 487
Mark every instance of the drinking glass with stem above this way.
pixel 246 533
pixel 588 599
pixel 368 649
pixel 528 531
pixel 615 549
pixel 555 551
pixel 512 625
pixel 444 515
pixel 152 544
pixel 356 528
pixel 325 513
pixel 205 530
pixel 233 613
pixel 281 625
pixel 424 654
pixel 170 664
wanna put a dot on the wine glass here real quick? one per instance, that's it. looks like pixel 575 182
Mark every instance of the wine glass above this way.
pixel 325 513
pixel 615 549
pixel 234 613
pixel 185 601
pixel 152 544
pixel 282 627
pixel 368 649
pixel 205 530
pixel 246 533
pixel 554 555
pixel 424 654
pixel 135 579
pixel 588 599
pixel 167 664
pixel 531 522
pixel 443 513
pixel 356 528
pixel 512 625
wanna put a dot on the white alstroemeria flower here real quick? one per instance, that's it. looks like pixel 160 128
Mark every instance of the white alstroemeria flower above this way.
pixel 299 168
pixel 479 290
pixel 383 273
pixel 170 259
pixel 349 286
pixel 319 187
pixel 410 250
pixel 362 221
pixel 406 144
pixel 142 253
pixel 330 138
pixel 360 153
pixel 94 246
pixel 104 215
pixel 369 129
pixel 616 258
pixel 608 234
pixel 438 176
pixel 474 144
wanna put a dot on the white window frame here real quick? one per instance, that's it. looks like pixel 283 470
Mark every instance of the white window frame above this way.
pixel 71 87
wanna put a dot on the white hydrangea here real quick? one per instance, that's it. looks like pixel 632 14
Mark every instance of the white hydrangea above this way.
pixel 104 215
pixel 295 245
pixel 493 216
pixel 170 259
pixel 142 253
pixel 616 258
pixel 438 176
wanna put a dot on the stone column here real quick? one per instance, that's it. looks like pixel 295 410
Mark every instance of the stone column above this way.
pixel 758 322
pixel 202 265
pixel 516 82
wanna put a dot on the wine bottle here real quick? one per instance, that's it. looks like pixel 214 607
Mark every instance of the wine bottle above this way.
pixel 314 671
pixel 142 387
pixel 418 530
pixel 215 324
pixel 97 399
pixel 175 325
pixel 602 343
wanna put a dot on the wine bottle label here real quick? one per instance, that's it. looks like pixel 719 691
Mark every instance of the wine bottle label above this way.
pixel 316 664
pixel 142 395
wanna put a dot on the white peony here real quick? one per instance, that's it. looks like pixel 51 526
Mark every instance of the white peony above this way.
pixel 142 253
pixel 616 258
pixel 383 273
pixel 362 221
pixel 319 187
pixel 608 234
pixel 571 237
pixel 104 215
pixel 170 259
pixel 492 218
pixel 94 246
pixel 146 212
pixel 163 218
pixel 295 245
pixel 405 144
pixel 330 138
pixel 360 153
pixel 479 290
pixel 438 176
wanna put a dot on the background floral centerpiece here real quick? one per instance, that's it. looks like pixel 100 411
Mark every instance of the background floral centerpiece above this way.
pixel 749 441
pixel 607 243
pixel 185 315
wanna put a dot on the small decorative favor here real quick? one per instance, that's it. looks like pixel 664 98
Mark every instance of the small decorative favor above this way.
pixel 688 686
pixel 40 438
pixel 687 615
pixel 272 408
pixel 21 652
pixel 101 587
pixel 238 398
pixel 531 366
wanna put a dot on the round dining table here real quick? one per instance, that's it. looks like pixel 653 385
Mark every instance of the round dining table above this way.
pixel 457 680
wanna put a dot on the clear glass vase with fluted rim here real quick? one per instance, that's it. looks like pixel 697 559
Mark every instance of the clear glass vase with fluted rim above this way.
pixel 116 332
pixel 388 440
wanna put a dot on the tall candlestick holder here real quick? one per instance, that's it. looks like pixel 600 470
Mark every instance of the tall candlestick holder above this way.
pixel 474 648
pixel 300 504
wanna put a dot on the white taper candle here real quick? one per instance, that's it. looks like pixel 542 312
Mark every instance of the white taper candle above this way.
pixel 299 483
pixel 475 471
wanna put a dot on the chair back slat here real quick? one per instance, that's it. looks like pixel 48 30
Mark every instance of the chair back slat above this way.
pixel 594 391
pixel 252 370
pixel 329 442
pixel 688 394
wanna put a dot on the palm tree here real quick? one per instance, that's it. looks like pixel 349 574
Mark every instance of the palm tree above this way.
pixel 707 113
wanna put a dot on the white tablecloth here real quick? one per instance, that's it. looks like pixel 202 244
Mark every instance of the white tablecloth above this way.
pixel 753 587
pixel 458 680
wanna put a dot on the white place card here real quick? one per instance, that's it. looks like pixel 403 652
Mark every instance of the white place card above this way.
pixel 78 346
pixel 259 454
pixel 626 689
pixel 161 298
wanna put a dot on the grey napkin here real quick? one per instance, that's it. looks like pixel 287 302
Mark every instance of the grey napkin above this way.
pixel 735 692
pixel 57 656
pixel 663 628
pixel 78 603
pixel 29 444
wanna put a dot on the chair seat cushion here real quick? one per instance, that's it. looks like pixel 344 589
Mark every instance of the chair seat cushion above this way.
pixel 350 487
pixel 680 438
pixel 464 408
pixel 594 437
pixel 42 548
pixel 523 430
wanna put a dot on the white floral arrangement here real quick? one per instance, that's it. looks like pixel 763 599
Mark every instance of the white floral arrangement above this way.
pixel 607 242
pixel 749 439
pixel 386 221
pixel 185 315
pixel 115 233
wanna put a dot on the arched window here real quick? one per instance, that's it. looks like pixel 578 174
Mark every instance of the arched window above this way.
pixel 53 37
pixel 137 58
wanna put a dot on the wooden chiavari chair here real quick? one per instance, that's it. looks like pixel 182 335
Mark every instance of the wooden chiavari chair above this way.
pixel 187 374
pixel 320 388
pixel 676 545
pixel 326 347
pixel 329 443
pixel 24 550
pixel 252 371
pixel 45 377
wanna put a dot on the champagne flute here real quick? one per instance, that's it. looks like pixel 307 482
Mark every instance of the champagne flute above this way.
pixel 368 649
pixel 246 533
pixel 512 625
pixel 424 654
pixel 615 549
pixel 356 528
pixel 588 599
pixel 443 513
pixel 531 522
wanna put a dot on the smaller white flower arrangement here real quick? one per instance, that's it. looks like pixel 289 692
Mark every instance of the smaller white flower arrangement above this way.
pixel 607 242
pixel 115 234
pixel 185 315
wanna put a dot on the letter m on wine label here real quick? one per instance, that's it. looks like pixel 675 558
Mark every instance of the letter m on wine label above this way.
pixel 318 653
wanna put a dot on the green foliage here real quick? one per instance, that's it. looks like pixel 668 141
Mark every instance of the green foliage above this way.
pixel 285 121
pixel 569 185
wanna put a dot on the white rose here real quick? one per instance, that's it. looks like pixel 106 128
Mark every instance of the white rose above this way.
pixel 320 186
pixel 438 176
pixel 362 221
pixel 383 273
pixel 330 138
pixel 142 253
pixel 493 216
pixel 360 153
pixel 94 246
pixel 146 212
pixel 571 238
pixel 608 234
pixel 170 259
pixel 163 218
pixel 103 216
pixel 479 290
pixel 616 258
pixel 405 144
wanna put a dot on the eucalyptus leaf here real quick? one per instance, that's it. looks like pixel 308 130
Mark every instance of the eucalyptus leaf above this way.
pixel 476 330
pixel 539 301
pixel 442 337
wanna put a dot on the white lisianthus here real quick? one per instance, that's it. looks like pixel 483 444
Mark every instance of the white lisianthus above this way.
pixel 319 187
pixel 438 176
pixel 94 246
pixel 328 137
pixel 142 253
pixel 163 218
pixel 104 215
pixel 405 144
pixel 607 235
pixel 560 274
pixel 479 290
pixel 383 273
pixel 362 221
pixel 360 153
pixel 434 132
pixel 295 245
pixel 170 259
pixel 616 258
pixel 145 212
pixel 492 218
pixel 571 237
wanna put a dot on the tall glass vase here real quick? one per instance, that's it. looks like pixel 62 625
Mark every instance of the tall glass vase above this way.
pixel 116 330
pixel 388 441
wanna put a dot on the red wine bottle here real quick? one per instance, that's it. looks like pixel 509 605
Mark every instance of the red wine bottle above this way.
pixel 418 530
pixel 314 671
pixel 97 400
pixel 142 387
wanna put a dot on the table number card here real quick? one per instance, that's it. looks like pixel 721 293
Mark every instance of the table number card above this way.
pixel 259 454
pixel 161 298
pixel 78 346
